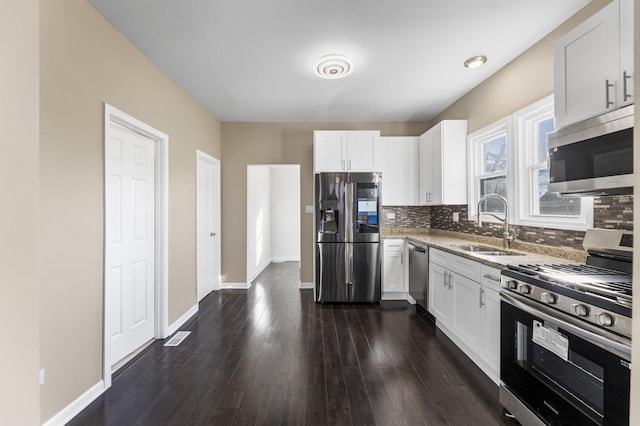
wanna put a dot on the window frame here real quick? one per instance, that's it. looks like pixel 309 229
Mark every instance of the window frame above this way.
pixel 517 129
pixel 523 149
pixel 474 154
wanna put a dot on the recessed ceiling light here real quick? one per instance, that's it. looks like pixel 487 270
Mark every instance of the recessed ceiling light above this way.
pixel 333 66
pixel 475 61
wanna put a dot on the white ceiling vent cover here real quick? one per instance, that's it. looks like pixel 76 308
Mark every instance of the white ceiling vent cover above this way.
pixel 177 338
pixel 334 66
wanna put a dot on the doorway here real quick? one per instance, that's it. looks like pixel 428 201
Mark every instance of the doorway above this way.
pixel 208 224
pixel 273 216
pixel 135 238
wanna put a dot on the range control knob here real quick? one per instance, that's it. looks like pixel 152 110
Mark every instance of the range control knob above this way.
pixel 548 298
pixel 579 310
pixel 524 288
pixel 511 284
pixel 604 319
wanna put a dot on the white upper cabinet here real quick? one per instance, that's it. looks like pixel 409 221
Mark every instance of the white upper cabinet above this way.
pixel 344 151
pixel 593 65
pixel 443 164
pixel 398 160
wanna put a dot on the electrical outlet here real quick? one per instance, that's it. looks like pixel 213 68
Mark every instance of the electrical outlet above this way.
pixel 391 215
pixel 41 376
pixel 456 216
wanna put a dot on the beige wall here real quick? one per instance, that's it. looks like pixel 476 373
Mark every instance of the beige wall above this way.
pixel 85 62
pixel 526 79
pixel 19 393
pixel 275 143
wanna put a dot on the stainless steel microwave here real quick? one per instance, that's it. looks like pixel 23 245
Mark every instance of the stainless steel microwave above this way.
pixel 593 157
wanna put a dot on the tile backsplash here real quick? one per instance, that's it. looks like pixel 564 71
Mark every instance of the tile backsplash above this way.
pixel 610 212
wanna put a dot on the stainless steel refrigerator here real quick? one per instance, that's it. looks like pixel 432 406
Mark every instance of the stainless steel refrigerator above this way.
pixel 347 237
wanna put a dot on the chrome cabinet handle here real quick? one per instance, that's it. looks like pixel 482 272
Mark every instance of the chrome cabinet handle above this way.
pixel 491 277
pixel 349 162
pixel 625 95
pixel 606 89
pixel 481 294
pixel 342 164
pixel 401 257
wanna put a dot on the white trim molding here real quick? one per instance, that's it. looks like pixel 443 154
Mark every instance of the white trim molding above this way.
pixel 234 286
pixel 114 115
pixel 306 286
pixel 77 405
pixel 183 319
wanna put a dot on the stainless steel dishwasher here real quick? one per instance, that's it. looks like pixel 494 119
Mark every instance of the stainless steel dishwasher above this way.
pixel 419 277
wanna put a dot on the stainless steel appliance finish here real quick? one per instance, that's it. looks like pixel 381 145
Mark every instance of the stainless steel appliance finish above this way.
pixel 348 247
pixel 593 157
pixel 566 336
pixel 419 277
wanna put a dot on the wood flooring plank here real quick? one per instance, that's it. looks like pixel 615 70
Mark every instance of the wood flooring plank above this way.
pixel 270 355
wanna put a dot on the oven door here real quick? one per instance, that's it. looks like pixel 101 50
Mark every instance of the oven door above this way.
pixel 564 373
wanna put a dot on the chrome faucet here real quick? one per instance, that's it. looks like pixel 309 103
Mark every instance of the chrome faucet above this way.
pixel 507 238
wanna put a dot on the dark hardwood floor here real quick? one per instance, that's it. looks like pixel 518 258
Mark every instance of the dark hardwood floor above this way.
pixel 270 356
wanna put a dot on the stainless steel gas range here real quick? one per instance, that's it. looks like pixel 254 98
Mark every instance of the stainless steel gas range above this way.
pixel 566 336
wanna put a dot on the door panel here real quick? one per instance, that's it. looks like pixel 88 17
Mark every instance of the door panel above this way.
pixel 331 283
pixel 207 234
pixel 130 240
pixel 365 272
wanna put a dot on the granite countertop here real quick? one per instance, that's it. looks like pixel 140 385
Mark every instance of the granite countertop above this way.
pixel 451 241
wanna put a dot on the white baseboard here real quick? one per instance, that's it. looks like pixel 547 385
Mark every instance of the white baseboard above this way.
pixel 306 285
pixel 80 403
pixel 394 295
pixel 235 286
pixel 184 318
pixel 285 259
pixel 411 300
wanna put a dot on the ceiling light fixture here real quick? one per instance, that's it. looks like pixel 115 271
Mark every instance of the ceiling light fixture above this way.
pixel 333 66
pixel 475 61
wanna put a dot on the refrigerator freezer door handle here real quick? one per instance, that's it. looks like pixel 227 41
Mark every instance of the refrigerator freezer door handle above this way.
pixel 348 213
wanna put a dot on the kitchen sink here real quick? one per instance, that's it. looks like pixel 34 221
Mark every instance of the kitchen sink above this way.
pixel 485 250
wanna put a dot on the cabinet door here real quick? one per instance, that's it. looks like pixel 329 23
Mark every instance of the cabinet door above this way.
pixel 440 295
pixel 586 60
pixel 467 324
pixel 361 151
pixel 450 150
pixel 490 341
pixel 399 163
pixel 426 170
pixel 329 151
pixel 393 272
pixel 435 142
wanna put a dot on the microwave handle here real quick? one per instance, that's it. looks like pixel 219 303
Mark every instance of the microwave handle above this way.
pixel 620 349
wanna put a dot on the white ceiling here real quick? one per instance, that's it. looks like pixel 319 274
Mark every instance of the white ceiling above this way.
pixel 253 60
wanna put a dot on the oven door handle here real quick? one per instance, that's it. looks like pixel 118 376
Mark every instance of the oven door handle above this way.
pixel 620 348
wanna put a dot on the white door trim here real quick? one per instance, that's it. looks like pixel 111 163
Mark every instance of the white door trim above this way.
pixel 114 115
pixel 216 211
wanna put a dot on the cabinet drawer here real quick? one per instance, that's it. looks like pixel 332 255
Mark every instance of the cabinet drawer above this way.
pixel 465 267
pixel 391 244
pixel 490 277
pixel 440 257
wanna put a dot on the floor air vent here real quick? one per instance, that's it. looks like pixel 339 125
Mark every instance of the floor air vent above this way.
pixel 177 338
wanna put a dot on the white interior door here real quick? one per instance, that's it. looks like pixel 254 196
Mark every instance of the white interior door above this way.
pixel 207 220
pixel 129 240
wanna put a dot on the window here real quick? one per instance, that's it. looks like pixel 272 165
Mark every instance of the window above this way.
pixel 535 205
pixel 509 158
pixel 488 150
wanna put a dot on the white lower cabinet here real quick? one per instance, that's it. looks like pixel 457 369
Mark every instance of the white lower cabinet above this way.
pixel 464 298
pixel 394 285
